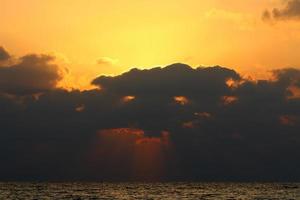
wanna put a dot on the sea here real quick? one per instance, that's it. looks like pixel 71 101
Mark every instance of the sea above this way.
pixel 147 191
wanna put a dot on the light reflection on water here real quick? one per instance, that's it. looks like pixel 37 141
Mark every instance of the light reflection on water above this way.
pixel 124 191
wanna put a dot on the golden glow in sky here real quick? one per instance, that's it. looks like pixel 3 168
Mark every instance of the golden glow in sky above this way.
pixel 109 37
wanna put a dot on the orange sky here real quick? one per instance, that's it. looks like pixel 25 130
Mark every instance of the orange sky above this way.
pixel 109 37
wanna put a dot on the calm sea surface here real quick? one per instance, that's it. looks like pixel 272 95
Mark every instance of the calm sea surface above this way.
pixel 159 191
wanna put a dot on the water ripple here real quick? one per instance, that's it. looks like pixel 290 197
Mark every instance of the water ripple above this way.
pixel 150 191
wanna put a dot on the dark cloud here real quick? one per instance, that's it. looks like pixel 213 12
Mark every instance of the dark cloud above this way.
pixel 4 55
pixel 176 80
pixel 291 10
pixel 288 77
pixel 172 123
pixel 31 74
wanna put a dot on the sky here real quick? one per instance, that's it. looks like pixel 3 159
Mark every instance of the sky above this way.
pixel 109 37
pixel 150 90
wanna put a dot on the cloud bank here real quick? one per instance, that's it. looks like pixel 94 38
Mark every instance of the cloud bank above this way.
pixel 171 123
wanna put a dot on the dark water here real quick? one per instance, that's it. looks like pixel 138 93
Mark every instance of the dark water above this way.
pixel 228 191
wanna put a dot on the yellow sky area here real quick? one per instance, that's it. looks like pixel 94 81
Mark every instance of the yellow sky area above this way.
pixel 109 37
